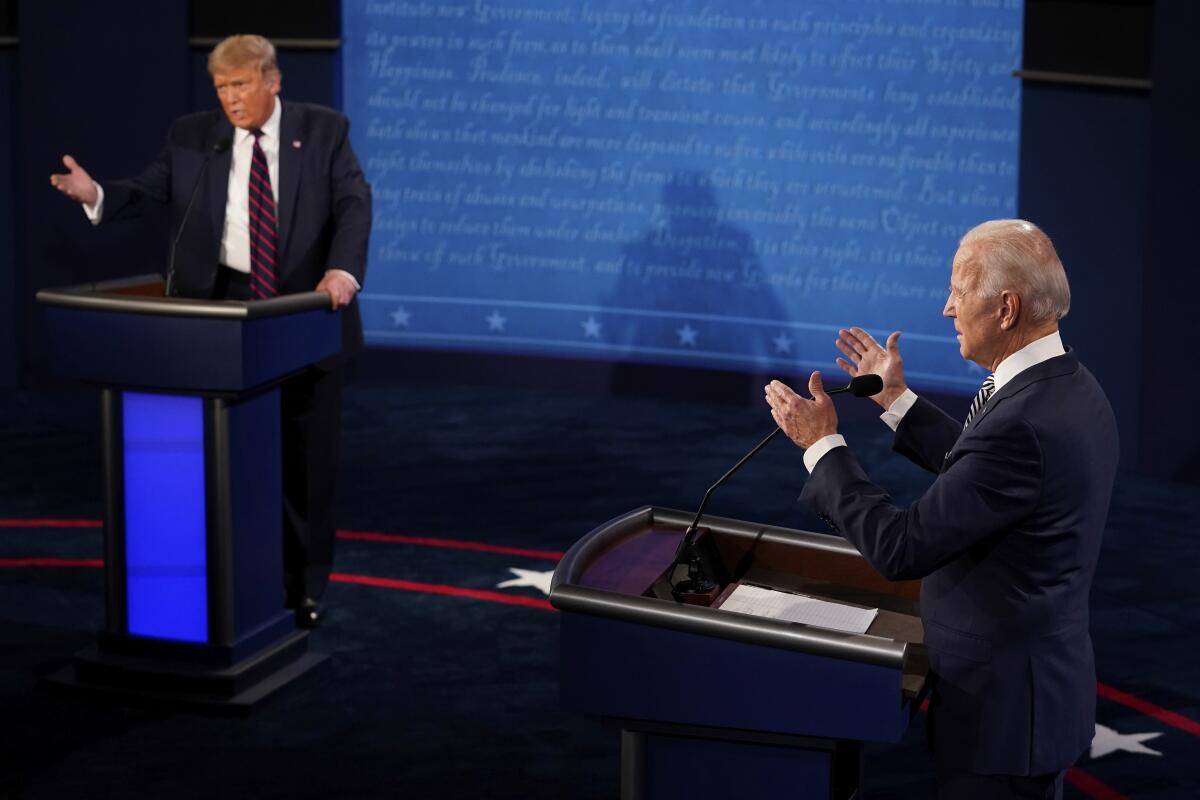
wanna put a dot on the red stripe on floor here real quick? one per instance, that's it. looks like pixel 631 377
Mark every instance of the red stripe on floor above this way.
pixel 340 577
pixel 1092 786
pixel 450 544
pixel 51 562
pixel 1149 709
pixel 51 523
pixel 364 536
pixel 442 589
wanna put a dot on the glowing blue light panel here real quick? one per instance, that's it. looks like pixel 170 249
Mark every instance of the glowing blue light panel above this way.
pixel 165 558
pixel 718 183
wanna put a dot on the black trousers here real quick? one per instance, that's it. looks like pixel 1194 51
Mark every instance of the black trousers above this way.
pixel 953 785
pixel 311 423
pixel 957 784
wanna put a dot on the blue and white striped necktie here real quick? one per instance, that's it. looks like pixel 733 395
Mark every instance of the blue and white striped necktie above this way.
pixel 981 397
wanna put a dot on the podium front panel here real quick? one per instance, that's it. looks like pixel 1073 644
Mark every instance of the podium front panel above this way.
pixel 187 353
pixel 614 668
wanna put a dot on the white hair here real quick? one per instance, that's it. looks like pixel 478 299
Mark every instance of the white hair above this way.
pixel 1016 255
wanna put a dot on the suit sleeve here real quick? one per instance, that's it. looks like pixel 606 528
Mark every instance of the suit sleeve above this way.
pixel 351 209
pixel 926 434
pixel 992 484
pixel 129 198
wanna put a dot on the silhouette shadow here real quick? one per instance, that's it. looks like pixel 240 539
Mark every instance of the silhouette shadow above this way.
pixel 679 274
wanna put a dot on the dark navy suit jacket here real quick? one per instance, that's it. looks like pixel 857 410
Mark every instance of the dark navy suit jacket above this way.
pixel 324 209
pixel 1006 540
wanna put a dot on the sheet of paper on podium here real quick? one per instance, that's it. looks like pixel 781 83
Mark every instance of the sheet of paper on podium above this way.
pixel 790 607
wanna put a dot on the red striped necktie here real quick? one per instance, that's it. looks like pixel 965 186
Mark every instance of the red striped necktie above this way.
pixel 264 232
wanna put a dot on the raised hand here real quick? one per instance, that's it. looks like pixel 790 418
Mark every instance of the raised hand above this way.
pixel 804 421
pixel 864 356
pixel 75 183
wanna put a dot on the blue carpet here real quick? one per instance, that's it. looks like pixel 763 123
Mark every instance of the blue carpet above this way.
pixel 435 696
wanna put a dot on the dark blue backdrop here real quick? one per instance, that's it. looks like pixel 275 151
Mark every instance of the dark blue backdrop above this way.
pixel 103 80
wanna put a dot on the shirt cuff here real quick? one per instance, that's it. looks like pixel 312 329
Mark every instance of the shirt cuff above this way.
pixel 898 409
pixel 354 280
pixel 820 447
pixel 95 212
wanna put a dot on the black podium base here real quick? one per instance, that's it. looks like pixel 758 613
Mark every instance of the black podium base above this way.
pixel 222 690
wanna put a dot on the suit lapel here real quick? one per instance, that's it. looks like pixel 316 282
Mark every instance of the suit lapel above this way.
pixel 217 178
pixel 291 126
pixel 1065 364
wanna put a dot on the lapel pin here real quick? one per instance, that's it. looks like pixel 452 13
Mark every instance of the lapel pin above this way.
pixel 296 143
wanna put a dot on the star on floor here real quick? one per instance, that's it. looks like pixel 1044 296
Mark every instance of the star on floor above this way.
pixel 528 577
pixel 591 328
pixel 400 317
pixel 496 321
pixel 687 334
pixel 783 343
pixel 1108 741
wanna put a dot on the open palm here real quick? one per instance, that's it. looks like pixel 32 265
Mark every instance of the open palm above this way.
pixel 865 356
pixel 75 183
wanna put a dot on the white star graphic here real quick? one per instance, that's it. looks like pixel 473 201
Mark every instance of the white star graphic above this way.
pixel 495 321
pixel 528 577
pixel 591 328
pixel 687 334
pixel 783 344
pixel 1108 741
pixel 400 317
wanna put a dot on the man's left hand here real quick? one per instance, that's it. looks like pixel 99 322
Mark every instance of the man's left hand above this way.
pixel 803 420
pixel 339 288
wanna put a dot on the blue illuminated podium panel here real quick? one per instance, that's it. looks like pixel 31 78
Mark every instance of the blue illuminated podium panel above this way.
pixel 193 485
pixel 166 576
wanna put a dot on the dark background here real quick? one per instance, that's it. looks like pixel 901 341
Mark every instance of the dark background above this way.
pixel 1109 171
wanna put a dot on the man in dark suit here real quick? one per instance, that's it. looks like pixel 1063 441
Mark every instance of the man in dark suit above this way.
pixel 278 205
pixel 1007 536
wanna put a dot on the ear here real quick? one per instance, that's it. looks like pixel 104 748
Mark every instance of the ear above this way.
pixel 274 82
pixel 1009 309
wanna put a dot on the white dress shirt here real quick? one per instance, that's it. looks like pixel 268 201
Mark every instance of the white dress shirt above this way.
pixel 235 237
pixel 1043 349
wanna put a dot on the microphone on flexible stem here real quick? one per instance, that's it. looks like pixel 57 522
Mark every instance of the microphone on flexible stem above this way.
pixel 215 150
pixel 697 582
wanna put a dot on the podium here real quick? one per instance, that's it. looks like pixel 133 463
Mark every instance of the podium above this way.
pixel 193 504
pixel 725 703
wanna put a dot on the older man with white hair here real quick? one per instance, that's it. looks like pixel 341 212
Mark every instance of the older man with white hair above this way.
pixel 1007 536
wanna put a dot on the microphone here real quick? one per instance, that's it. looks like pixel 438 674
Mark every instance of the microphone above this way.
pixel 862 386
pixel 215 150
pixel 697 582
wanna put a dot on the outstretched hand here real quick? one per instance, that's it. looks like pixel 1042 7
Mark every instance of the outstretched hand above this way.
pixel 803 420
pixel 75 183
pixel 864 356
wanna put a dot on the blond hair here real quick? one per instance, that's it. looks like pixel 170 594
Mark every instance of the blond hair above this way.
pixel 1015 254
pixel 243 50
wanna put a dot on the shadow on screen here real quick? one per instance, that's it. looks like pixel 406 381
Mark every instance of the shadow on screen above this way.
pixel 692 292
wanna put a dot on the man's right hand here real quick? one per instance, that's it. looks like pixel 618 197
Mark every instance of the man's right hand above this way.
pixel 864 356
pixel 76 183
